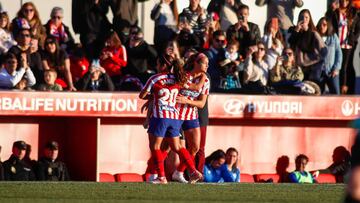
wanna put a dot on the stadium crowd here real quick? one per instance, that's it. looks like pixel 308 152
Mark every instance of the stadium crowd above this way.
pixel 289 58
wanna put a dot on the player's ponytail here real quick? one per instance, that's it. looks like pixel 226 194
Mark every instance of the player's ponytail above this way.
pixel 178 71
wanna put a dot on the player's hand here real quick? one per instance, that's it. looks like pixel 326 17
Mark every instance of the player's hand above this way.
pixel 181 100
pixel 344 89
pixel 145 106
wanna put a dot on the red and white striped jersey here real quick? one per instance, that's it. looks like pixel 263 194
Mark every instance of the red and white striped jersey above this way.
pixel 187 112
pixel 165 90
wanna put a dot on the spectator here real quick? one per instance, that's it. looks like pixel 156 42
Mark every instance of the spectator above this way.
pixel 165 15
pixel 197 17
pixel 247 33
pixel 256 70
pixel 96 79
pixel 172 49
pixel 56 28
pixel 49 168
pixel 333 58
pixel 6 37
pixel 214 54
pixel 286 76
pixel 215 5
pixel 283 10
pixel 90 21
pixel 56 58
pixel 215 169
pixel 310 49
pixel 141 56
pixel 113 57
pixel 227 14
pixel 23 40
pixel 343 20
pixel 273 41
pixel 35 61
pixel 29 12
pixel 27 159
pixel 186 37
pixel 212 26
pixel 14 168
pixel 79 65
pixel 231 161
pixel 50 76
pixel 10 77
pixel 300 175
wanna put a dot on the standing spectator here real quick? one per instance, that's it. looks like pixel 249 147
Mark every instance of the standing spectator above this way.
pixel 273 40
pixel 197 17
pixel 49 81
pixel 49 168
pixel 10 77
pixel 215 5
pixel 90 21
pixel 113 57
pixel 14 168
pixel 96 79
pixel 125 14
pixel 228 14
pixel 300 175
pixel 29 12
pixel 247 33
pixel 186 36
pixel 283 10
pixel 343 20
pixel 141 56
pixel 333 58
pixel 56 58
pixel 56 28
pixel 6 37
pixel 214 54
pixel 310 49
pixel 231 161
pixel 256 70
pixel 165 15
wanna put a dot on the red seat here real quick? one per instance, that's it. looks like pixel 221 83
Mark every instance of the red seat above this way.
pixel 264 178
pixel 106 177
pixel 128 177
pixel 326 178
pixel 246 178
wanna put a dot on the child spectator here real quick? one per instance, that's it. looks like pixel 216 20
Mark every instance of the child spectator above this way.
pixel 96 79
pixel 50 78
pixel 6 38
pixel 300 175
pixel 113 57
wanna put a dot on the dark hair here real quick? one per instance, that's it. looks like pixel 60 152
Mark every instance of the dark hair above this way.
pixel 278 35
pixel 228 151
pixel 51 70
pixel 244 6
pixel 216 155
pixel 218 33
pixel 194 58
pixel 8 56
pixel 301 157
pixel 330 28
pixel 311 22
pixel 234 42
pixel 178 71
pixel 114 37
pixel 57 58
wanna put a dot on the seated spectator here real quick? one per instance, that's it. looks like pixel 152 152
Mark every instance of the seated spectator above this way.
pixel 49 81
pixel 14 168
pixel 79 65
pixel 29 12
pixel 96 79
pixel 300 175
pixel 23 85
pixel 23 39
pixel 56 28
pixel 6 37
pixel 56 58
pixel 141 56
pixel 256 70
pixel 113 57
pixel 49 168
pixel 310 49
pixel 215 169
pixel 231 161
pixel 247 33
pixel 186 37
pixel 35 61
pixel 10 77
pixel 286 76
pixel 333 59
pixel 273 41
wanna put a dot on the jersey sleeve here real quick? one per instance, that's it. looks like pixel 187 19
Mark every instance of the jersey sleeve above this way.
pixel 151 81
pixel 206 88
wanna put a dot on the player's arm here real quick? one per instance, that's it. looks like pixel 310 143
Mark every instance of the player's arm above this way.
pixel 199 103
pixel 198 86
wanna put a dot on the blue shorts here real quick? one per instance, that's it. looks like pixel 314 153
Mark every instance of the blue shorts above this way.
pixel 164 127
pixel 190 124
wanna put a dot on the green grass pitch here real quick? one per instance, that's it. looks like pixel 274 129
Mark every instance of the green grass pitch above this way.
pixel 173 192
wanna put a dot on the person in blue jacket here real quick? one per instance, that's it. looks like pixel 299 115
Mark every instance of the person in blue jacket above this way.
pixel 215 169
pixel 231 161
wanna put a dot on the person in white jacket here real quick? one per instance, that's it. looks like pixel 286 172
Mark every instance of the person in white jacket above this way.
pixel 10 77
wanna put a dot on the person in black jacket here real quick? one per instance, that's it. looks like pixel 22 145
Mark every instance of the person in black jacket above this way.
pixel 49 168
pixel 96 79
pixel 247 33
pixel 1 169
pixel 14 168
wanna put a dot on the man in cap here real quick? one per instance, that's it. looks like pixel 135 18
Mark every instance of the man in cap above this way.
pixel 14 168
pixel 49 168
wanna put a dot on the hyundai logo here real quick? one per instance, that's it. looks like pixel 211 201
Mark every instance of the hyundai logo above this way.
pixel 234 106
pixel 347 108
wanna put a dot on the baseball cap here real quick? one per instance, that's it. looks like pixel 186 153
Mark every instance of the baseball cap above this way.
pixel 53 145
pixel 20 145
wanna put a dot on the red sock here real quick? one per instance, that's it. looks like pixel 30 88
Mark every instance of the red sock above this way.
pixel 187 159
pixel 159 162
pixel 151 168
pixel 164 154
pixel 182 166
